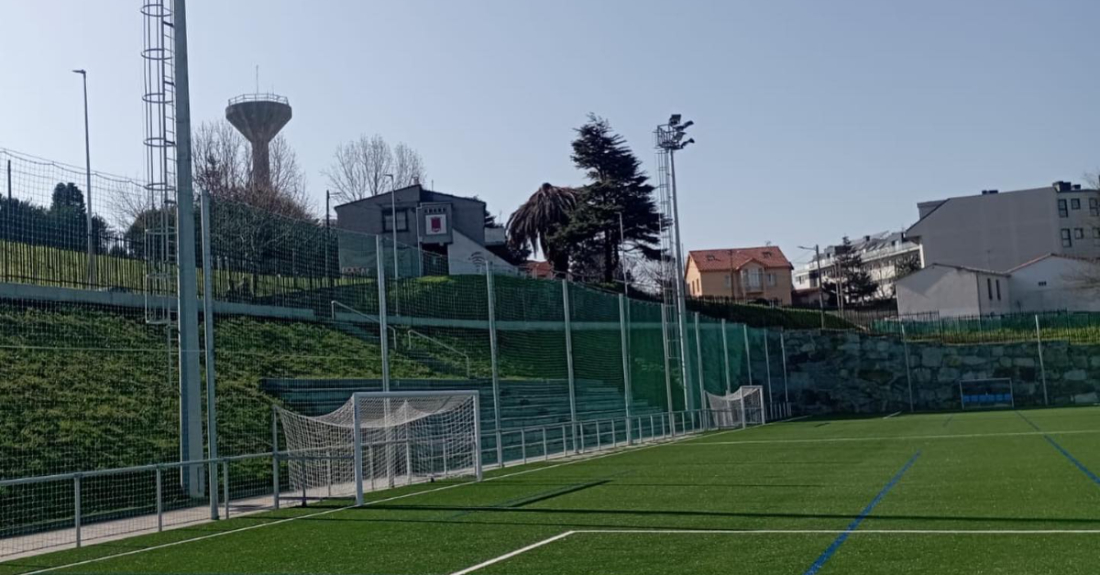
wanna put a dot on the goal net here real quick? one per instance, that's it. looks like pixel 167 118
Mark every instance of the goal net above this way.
pixel 987 393
pixel 378 440
pixel 741 408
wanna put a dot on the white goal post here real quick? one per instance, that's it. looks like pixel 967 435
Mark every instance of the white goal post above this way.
pixel 993 393
pixel 383 439
pixel 739 409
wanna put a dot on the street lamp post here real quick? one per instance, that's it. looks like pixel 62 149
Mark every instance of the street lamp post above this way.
pixel 820 282
pixel 90 232
pixel 393 217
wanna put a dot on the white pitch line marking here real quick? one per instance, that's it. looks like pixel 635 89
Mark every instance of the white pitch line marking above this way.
pixel 579 459
pixel 561 536
pixel 892 437
pixel 511 554
pixel 838 531
pixel 895 414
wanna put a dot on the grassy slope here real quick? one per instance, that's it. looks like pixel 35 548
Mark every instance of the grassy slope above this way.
pixel 799 476
pixel 84 389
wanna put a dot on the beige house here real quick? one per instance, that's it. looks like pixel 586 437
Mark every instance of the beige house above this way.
pixel 743 274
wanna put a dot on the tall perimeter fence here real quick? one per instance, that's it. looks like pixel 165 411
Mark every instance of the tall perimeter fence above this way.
pixel 305 313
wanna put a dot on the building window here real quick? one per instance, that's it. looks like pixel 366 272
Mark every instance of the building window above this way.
pixel 771 280
pixel 402 221
pixel 729 281
pixel 751 279
pixel 1067 240
pixel 1075 203
pixel 989 287
pixel 1063 211
pixel 998 290
pixel 1078 233
pixel 1094 206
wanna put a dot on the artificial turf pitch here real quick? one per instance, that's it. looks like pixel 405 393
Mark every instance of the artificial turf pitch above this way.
pixel 973 493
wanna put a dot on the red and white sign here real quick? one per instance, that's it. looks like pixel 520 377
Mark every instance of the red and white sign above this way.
pixel 437 224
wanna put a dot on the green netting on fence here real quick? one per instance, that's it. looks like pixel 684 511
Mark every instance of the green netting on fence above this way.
pixel 713 364
pixel 648 360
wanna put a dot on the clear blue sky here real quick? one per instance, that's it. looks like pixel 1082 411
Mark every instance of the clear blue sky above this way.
pixel 815 119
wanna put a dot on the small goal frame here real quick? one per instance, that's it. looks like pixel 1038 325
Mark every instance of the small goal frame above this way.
pixel 996 402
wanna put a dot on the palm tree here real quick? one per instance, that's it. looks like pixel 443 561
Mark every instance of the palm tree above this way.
pixel 535 222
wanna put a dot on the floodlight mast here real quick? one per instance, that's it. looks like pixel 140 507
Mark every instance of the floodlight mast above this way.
pixel 670 139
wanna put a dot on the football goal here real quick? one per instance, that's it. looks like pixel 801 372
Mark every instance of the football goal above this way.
pixel 741 408
pixel 987 393
pixel 378 440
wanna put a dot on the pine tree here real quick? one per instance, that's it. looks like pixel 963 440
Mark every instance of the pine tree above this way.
pixel 617 185
pixel 856 283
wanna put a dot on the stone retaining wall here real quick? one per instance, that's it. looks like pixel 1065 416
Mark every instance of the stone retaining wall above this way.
pixel 843 372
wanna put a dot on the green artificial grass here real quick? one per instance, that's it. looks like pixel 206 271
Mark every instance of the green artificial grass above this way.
pixel 771 500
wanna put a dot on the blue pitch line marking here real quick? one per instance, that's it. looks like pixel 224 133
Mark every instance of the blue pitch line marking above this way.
pixel 1088 473
pixel 831 550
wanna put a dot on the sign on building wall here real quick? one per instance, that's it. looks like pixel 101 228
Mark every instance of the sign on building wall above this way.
pixel 435 223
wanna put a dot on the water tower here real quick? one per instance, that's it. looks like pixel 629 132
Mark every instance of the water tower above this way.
pixel 259 117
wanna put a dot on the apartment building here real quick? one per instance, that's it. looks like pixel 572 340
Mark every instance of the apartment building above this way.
pixel 881 254
pixel 1001 230
pixel 760 275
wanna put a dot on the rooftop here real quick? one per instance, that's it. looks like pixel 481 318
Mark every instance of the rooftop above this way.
pixel 735 258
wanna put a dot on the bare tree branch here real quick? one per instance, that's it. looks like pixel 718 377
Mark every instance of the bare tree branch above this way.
pixel 408 166
pixel 360 167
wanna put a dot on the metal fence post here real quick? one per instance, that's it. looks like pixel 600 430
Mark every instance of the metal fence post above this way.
pixel 748 353
pixel 628 396
pixel 726 357
pixel 275 454
pixel 225 487
pixel 908 367
pixel 664 349
pixel 783 356
pixel 1042 365
pixel 383 322
pixel 489 286
pixel 160 499
pixel 357 444
pixel 768 371
pixel 208 348
pixel 699 361
pixel 76 508
pixel 567 312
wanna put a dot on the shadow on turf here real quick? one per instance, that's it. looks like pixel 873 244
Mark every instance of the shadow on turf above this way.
pixel 654 513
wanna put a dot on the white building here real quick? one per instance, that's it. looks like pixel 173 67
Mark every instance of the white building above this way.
pixel 1051 282
pixel 951 291
pixel 999 231
pixel 880 253
pixel 1054 282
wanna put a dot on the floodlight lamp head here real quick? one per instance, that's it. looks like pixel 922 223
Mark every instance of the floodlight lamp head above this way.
pixel 685 144
pixel 687 125
pixel 81 72
pixel 674 119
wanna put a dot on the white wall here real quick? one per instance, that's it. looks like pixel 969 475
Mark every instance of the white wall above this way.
pixel 467 257
pixel 1062 289
pixel 953 292
pixel 946 290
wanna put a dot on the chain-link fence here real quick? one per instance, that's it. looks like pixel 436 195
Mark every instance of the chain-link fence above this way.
pixel 307 312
